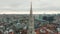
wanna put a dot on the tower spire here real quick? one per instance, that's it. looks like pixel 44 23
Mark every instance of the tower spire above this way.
pixel 31 9
pixel 31 22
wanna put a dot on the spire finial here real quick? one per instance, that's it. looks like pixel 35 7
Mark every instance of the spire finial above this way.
pixel 31 8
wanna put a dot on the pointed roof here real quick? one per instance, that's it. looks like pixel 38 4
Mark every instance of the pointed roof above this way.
pixel 31 9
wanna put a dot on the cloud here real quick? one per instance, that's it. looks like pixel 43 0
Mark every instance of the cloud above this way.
pixel 48 5
pixel 25 4
pixel 14 4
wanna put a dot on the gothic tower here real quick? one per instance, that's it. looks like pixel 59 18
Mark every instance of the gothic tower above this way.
pixel 31 22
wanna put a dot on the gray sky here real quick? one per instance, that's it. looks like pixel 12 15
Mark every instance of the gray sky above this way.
pixel 25 5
